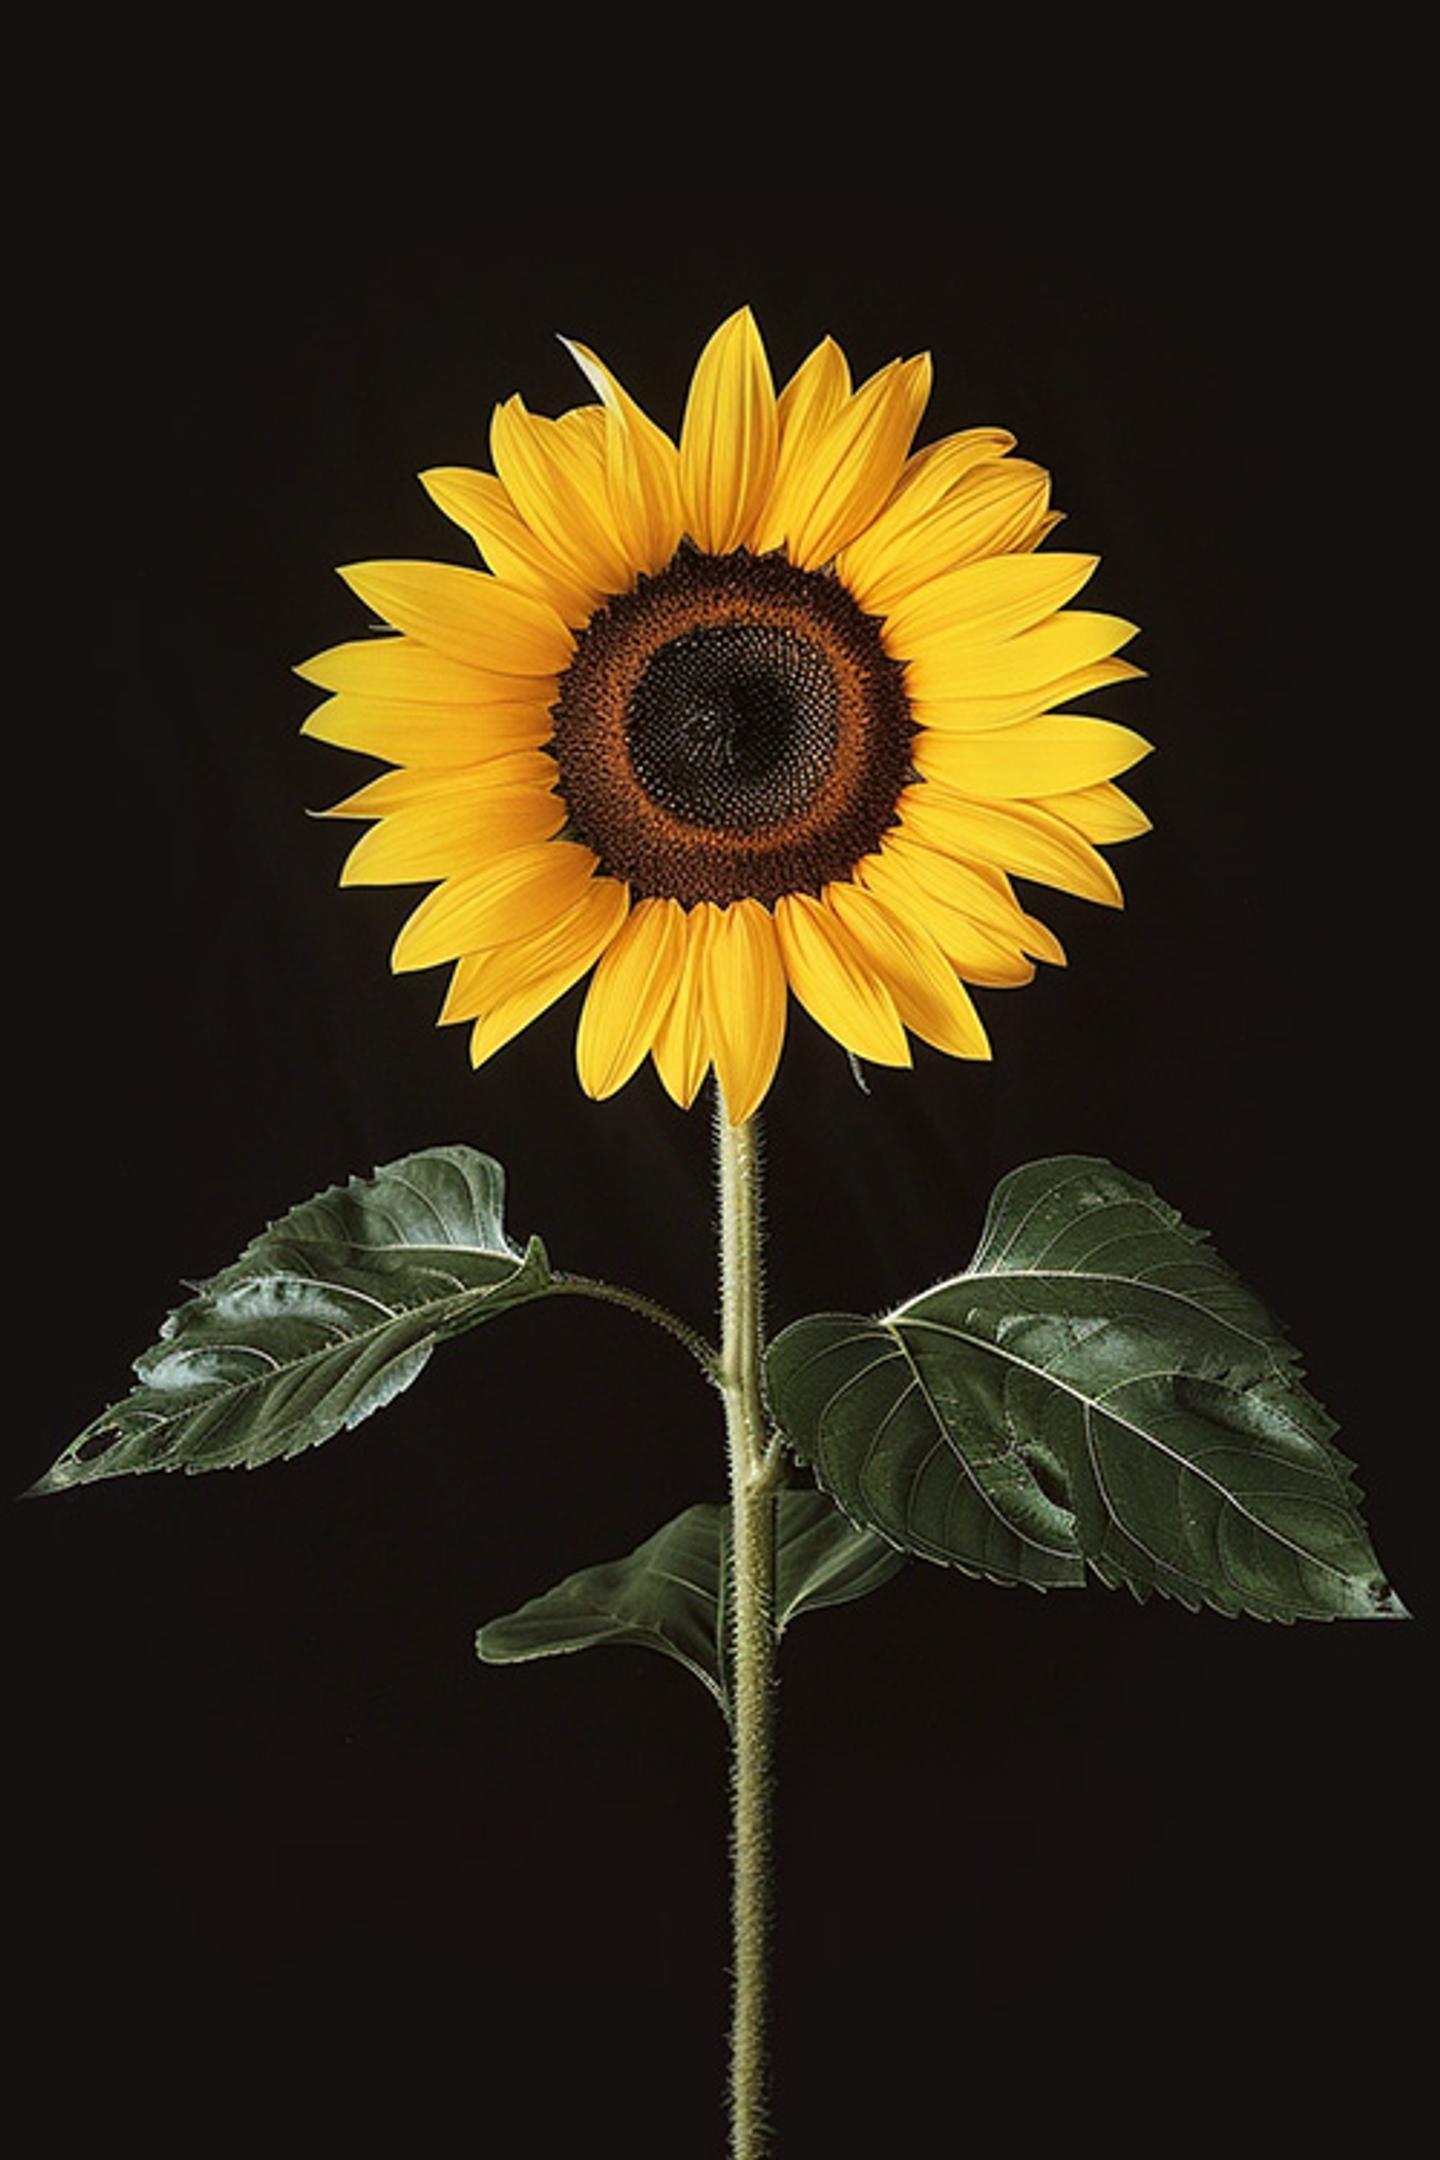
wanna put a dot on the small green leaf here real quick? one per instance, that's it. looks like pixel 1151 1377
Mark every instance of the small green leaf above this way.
pixel 1097 1389
pixel 662 1596
pixel 823 1559
pixel 668 1594
pixel 324 1318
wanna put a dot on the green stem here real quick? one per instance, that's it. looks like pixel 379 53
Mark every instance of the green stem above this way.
pixel 753 1482
pixel 648 1309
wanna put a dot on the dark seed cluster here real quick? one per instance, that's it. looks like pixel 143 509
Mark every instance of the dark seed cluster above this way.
pixel 732 728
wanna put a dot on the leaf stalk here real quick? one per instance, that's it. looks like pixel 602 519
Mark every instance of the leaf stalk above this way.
pixel 704 1353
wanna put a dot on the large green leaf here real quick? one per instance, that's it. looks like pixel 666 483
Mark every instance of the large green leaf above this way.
pixel 322 1320
pixel 669 1594
pixel 1097 1388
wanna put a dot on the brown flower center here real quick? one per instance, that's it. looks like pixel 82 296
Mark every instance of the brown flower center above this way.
pixel 733 728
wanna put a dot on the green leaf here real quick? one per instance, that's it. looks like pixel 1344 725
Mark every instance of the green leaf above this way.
pixel 663 1596
pixel 1098 1389
pixel 668 1595
pixel 325 1318
pixel 823 1559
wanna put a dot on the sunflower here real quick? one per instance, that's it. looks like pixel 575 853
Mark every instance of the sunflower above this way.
pixel 771 711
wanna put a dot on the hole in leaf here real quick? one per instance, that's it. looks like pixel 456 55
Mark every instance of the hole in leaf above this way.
pixel 1048 1473
pixel 98 1443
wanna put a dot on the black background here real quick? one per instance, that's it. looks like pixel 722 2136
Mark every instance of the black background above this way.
pixel 286 1853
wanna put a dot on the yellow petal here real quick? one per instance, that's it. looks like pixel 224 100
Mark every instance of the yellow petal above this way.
pixel 745 1001
pixel 1040 941
pixel 443 824
pixel 441 840
pixel 505 989
pixel 728 442
pixel 829 975
pixel 396 667
pixel 510 897
pixel 939 872
pixel 555 476
pixel 485 980
pixel 582 429
pixel 431 735
pixel 902 864
pixel 522 772
pixel 975 949
pixel 465 996
pixel 504 1021
pixel 465 615
pixel 642 469
pixel 1000 508
pixel 931 474
pixel 1051 755
pixel 976 890
pixel 815 393
pixel 928 994
pixel 1027 704
pixel 1014 836
pixel 1103 813
pixel 852 465
pixel 478 504
pixel 984 602
pixel 1053 649
pixel 976 957
pixel 682 1051
pixel 628 997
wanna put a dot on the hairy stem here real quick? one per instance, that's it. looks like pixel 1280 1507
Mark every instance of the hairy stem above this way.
pixel 753 1482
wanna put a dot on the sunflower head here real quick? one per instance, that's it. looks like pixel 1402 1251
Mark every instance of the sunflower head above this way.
pixel 772 710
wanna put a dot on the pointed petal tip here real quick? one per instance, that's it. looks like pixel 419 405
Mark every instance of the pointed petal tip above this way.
pixel 744 1107
pixel 589 1087
pixel 593 368
pixel 401 962
pixel 351 877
